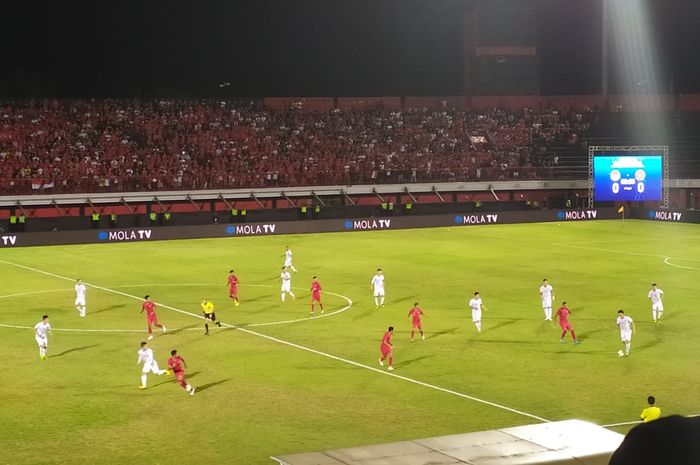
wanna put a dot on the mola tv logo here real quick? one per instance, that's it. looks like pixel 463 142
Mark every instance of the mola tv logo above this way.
pixel 8 241
pixel 251 229
pixel 577 214
pixel 490 218
pixel 122 235
pixel 665 215
pixel 366 225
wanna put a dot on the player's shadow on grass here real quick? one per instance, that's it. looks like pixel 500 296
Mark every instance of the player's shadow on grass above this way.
pixel 441 333
pixel 505 322
pixel 648 345
pixel 184 328
pixel 106 309
pixel 170 379
pixel 410 298
pixel 365 314
pixel 413 360
pixel 74 349
pixel 206 386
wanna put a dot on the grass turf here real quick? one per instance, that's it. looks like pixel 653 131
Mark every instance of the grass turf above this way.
pixel 257 397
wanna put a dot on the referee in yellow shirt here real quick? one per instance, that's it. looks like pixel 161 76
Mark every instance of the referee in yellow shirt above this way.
pixel 209 315
pixel 652 412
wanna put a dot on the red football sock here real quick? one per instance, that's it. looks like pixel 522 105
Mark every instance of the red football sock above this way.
pixel 391 361
pixel 573 335
pixel 563 334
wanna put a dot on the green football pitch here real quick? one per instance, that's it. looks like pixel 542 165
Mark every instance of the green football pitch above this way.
pixel 277 382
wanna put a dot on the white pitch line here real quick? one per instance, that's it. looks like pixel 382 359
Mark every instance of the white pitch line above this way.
pixel 33 292
pixel 269 323
pixel 666 261
pixel 304 348
pixel 77 330
pixel 666 258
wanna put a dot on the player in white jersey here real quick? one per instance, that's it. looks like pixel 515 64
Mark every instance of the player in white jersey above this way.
pixel 547 296
pixel 80 291
pixel 626 325
pixel 286 278
pixel 657 306
pixel 476 305
pixel 377 284
pixel 149 364
pixel 41 335
pixel 288 259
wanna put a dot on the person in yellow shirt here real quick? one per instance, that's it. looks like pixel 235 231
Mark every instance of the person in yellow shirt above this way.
pixel 652 412
pixel 209 315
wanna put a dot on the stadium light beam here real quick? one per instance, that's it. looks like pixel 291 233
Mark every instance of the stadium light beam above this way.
pixel 637 65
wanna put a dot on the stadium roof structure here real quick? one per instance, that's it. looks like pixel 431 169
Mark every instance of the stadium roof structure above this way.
pixel 556 443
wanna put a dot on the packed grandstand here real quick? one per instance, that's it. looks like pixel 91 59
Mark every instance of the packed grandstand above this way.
pixel 125 145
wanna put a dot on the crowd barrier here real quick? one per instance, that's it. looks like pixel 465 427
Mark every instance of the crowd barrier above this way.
pixel 300 227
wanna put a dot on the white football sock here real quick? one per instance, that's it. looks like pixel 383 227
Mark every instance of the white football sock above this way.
pixel 376 301
pixel 653 314
pixel 144 380
pixel 283 297
pixel 628 346
pixel 478 326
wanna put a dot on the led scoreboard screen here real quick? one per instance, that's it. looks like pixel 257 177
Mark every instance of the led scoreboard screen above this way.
pixel 627 177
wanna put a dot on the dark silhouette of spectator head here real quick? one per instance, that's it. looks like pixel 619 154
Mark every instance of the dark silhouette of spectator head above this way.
pixel 673 440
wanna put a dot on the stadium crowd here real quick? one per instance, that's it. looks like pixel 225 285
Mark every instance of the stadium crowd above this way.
pixel 121 145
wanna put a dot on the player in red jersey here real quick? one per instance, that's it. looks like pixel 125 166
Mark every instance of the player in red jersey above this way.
pixel 415 314
pixel 315 294
pixel 177 365
pixel 150 307
pixel 233 288
pixel 562 314
pixel 387 348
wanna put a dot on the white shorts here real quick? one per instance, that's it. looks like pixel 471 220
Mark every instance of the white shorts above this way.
pixel 476 315
pixel 150 367
pixel 287 262
pixel 658 306
pixel 42 341
pixel 546 303
pixel 625 336
pixel 286 286
pixel 80 301
pixel 379 292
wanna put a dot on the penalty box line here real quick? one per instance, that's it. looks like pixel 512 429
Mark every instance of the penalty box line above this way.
pixel 300 347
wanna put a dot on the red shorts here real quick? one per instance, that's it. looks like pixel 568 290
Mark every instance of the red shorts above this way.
pixel 566 326
pixel 385 350
pixel 416 324
pixel 180 375
pixel 233 291
pixel 152 318
pixel 316 297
